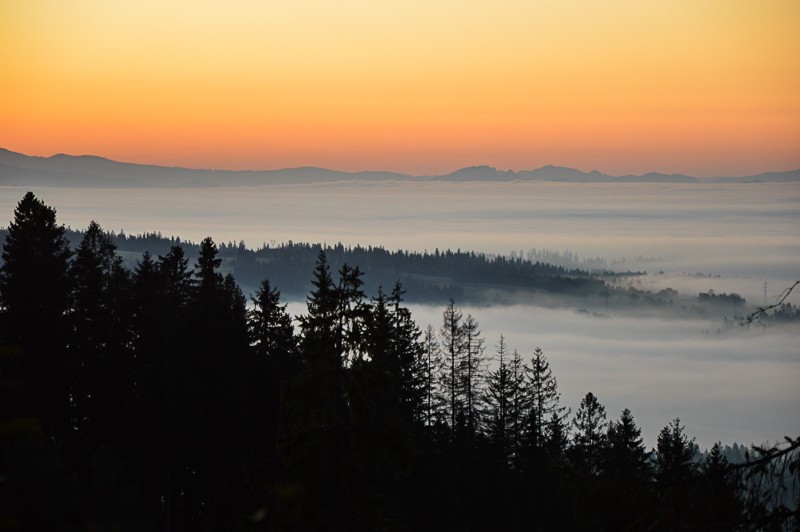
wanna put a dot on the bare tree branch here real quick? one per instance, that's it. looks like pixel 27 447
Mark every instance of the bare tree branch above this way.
pixel 755 316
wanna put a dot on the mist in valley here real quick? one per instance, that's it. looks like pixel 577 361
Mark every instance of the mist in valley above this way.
pixel 729 384
pixel 735 236
pixel 726 382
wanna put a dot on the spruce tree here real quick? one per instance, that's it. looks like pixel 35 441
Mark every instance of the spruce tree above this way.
pixel 169 386
pixel 720 489
pixel 236 328
pixel 217 358
pixel 409 353
pixel 503 398
pixel 34 300
pixel 101 338
pixel 453 347
pixel 383 396
pixel 544 398
pixel 589 440
pixel 154 420
pixel 176 280
pixel 518 407
pixel 625 483
pixel 431 362
pixel 207 275
pixel 626 456
pixel 351 314
pixel 558 437
pixel 34 287
pixel 675 454
pixel 271 329
pixel 318 325
pixel 675 475
pixel 471 370
pixel 145 305
pixel 274 363
pixel 314 450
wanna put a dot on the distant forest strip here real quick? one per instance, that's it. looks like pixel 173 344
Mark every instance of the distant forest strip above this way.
pixel 155 399
pixel 438 276
pixel 430 276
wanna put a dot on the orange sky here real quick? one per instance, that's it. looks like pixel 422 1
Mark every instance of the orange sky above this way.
pixel 705 87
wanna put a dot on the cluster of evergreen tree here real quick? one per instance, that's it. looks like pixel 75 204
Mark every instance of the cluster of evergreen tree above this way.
pixel 429 276
pixel 158 399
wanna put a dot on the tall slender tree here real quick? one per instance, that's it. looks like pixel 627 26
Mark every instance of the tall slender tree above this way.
pixel 721 490
pixel 519 407
pixel 318 325
pixel 453 346
pixel 352 312
pixel 217 347
pixel 558 437
pixel 544 399
pixel 315 449
pixel 589 440
pixel 408 350
pixel 499 399
pixel 431 362
pixel 676 472
pixel 101 337
pixel 384 394
pixel 171 384
pixel 471 369
pixel 274 364
pixel 176 281
pixel 270 325
pixel 156 417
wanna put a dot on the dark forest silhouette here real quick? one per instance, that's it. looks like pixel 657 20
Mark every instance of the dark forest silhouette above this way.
pixel 438 276
pixel 158 399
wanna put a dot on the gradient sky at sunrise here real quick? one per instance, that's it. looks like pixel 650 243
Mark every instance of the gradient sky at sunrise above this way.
pixel 704 87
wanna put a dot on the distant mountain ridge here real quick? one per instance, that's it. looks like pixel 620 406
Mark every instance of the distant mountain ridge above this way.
pixel 93 171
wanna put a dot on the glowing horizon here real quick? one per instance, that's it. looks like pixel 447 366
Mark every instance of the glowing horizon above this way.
pixel 701 88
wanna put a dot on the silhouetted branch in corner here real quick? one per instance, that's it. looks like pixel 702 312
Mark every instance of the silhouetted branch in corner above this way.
pixel 755 316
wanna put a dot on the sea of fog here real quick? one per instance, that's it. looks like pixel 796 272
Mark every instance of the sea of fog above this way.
pixel 729 384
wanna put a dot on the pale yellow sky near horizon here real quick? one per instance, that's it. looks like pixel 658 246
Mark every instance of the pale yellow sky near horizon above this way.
pixel 704 87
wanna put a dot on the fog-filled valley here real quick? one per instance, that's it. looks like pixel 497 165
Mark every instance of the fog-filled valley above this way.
pixel 733 385
pixel 748 231
pixel 728 382
pixel 639 298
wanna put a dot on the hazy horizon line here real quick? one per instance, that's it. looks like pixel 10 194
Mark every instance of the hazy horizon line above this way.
pixel 401 173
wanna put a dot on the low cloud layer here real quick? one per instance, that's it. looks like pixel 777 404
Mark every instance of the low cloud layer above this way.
pixel 741 229
pixel 739 385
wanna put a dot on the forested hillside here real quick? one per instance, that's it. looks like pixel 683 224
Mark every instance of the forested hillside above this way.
pixel 157 399
pixel 438 276
pixel 434 277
